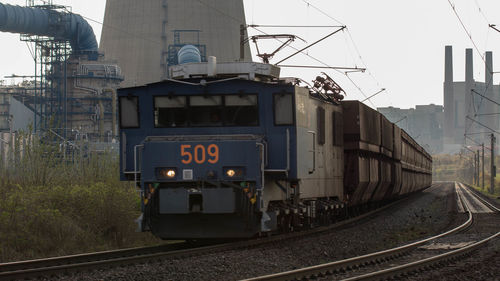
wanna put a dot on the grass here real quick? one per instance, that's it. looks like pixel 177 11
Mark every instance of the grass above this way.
pixel 457 168
pixel 486 190
pixel 51 206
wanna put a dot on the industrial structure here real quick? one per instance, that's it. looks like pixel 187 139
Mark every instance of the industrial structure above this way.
pixel 72 91
pixel 424 124
pixel 471 110
pixel 143 37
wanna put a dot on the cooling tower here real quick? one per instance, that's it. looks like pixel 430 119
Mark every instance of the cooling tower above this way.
pixel 143 37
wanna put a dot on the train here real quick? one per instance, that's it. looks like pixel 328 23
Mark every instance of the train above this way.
pixel 232 150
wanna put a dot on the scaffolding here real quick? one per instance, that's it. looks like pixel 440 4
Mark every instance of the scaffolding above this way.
pixel 50 99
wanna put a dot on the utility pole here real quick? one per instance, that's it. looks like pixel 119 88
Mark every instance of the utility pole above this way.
pixel 482 146
pixel 493 167
pixel 476 175
pixel 473 166
pixel 477 167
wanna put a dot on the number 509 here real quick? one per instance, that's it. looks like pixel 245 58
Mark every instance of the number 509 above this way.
pixel 199 154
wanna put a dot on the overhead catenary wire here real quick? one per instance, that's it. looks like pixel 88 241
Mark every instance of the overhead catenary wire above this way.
pixel 322 12
pixel 487 127
pixel 294 26
pixel 469 34
pixel 323 63
pixel 350 69
pixel 124 31
pixel 347 30
pixel 481 11
pixel 306 54
pixel 303 49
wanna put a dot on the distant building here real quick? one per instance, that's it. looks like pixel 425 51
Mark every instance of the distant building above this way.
pixel 15 112
pixel 424 123
pixel 470 115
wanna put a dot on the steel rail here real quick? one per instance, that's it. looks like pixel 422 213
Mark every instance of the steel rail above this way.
pixel 429 262
pixel 76 263
pixel 98 264
pixel 418 265
pixel 484 201
pixel 337 266
pixel 86 257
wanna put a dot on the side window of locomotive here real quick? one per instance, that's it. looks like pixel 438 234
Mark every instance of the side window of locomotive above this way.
pixel 337 128
pixel 241 110
pixel 205 110
pixel 321 124
pixel 170 112
pixel 283 109
pixel 129 112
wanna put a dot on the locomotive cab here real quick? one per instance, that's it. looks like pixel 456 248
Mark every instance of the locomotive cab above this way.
pixel 199 149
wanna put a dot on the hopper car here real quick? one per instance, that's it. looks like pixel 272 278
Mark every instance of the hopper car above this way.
pixel 231 150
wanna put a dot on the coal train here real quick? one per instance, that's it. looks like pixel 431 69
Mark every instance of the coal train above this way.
pixel 231 150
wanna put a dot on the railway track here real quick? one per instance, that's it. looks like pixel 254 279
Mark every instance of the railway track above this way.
pixel 415 257
pixel 60 266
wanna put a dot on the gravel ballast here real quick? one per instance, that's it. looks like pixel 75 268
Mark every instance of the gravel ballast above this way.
pixel 424 214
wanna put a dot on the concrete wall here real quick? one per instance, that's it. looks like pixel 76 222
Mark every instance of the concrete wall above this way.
pixel 22 117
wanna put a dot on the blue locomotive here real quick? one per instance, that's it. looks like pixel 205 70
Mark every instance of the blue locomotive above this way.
pixel 232 150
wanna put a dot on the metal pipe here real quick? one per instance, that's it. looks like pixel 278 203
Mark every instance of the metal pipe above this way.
pixel 37 21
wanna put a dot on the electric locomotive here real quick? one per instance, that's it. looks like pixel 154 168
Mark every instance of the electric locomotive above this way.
pixel 232 150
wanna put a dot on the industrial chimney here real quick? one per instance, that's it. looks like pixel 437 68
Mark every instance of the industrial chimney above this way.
pixel 449 118
pixel 469 84
pixel 490 107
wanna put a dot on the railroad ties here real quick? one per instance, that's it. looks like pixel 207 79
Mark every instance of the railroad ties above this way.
pixel 404 259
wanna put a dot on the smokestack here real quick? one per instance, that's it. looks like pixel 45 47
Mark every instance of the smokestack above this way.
pixel 469 68
pixel 449 107
pixel 448 64
pixel 469 82
pixel 492 121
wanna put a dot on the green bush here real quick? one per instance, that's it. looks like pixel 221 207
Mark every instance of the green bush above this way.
pixel 53 205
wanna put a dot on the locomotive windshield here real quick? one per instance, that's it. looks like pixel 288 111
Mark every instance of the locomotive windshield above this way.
pixel 129 112
pixel 283 109
pixel 206 111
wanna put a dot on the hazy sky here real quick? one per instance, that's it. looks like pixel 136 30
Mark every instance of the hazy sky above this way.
pixel 401 42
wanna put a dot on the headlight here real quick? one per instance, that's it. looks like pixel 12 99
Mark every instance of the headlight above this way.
pixel 166 173
pixel 171 174
pixel 234 172
pixel 230 173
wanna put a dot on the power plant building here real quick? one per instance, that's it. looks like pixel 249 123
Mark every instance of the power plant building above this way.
pixel 143 37
pixel 470 111
pixel 424 123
